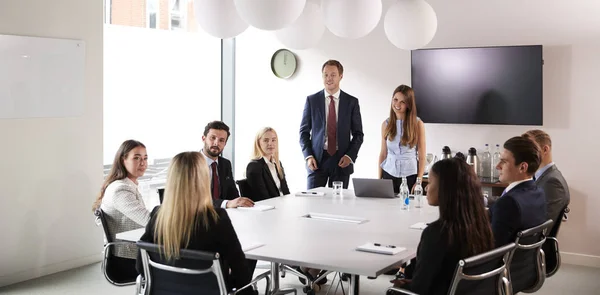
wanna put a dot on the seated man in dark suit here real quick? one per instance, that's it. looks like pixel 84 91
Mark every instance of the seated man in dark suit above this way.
pixel 549 178
pixel 224 192
pixel 522 204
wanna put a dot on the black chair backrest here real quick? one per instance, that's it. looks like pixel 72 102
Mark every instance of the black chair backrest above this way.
pixel 100 214
pixel 550 247
pixel 483 273
pixel 556 227
pixel 195 272
pixel 527 272
pixel 245 188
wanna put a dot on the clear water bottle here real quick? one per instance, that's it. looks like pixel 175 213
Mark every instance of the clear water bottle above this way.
pixel 486 163
pixel 404 192
pixel 418 192
pixel 495 161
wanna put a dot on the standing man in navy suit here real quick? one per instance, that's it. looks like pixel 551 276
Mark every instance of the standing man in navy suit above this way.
pixel 331 130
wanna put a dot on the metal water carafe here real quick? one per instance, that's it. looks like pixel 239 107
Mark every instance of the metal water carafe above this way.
pixel 473 160
pixel 446 153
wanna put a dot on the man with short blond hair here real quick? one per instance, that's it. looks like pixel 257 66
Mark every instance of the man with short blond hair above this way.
pixel 548 177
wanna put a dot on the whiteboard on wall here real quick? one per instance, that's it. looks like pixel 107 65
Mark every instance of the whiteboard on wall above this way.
pixel 41 77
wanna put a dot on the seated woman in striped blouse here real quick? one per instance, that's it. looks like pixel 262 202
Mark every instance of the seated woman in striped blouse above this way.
pixel 122 202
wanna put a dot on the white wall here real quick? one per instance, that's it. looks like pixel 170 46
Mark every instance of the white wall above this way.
pixel 52 168
pixel 373 68
pixel 160 87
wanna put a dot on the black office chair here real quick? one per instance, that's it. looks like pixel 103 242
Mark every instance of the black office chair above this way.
pixel 480 274
pixel 550 247
pixel 113 271
pixel 182 276
pixel 527 271
pixel 245 188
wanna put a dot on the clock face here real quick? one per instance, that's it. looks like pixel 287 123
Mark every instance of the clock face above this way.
pixel 283 63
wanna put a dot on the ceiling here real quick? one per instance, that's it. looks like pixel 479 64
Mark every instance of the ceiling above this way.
pixel 500 22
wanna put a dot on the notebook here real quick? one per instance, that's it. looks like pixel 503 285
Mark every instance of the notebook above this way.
pixel 257 207
pixel 310 194
pixel 380 248
pixel 251 246
pixel 419 225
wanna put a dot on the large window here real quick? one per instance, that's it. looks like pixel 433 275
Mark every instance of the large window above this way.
pixel 152 13
pixel 178 14
pixel 161 87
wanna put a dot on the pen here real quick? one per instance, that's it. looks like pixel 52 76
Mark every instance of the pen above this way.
pixel 309 193
pixel 388 246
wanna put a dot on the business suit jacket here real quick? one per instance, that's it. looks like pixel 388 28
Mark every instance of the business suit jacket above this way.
pixel 557 192
pixel 219 237
pixel 435 262
pixel 261 181
pixel 227 188
pixel 349 128
pixel 523 207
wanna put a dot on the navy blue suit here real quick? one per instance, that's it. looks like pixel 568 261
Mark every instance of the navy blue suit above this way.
pixel 312 137
pixel 521 208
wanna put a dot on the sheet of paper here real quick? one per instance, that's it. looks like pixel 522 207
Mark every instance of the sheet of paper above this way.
pixel 380 249
pixel 247 246
pixel 419 225
pixel 258 207
pixel 310 194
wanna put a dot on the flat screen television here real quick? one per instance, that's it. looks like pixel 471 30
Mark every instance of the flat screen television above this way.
pixel 486 85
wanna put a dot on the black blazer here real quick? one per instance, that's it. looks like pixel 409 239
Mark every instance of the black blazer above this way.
pixel 523 207
pixel 219 237
pixel 228 190
pixel 261 181
pixel 349 128
pixel 435 262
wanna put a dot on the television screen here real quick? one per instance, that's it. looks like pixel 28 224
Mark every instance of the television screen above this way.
pixel 488 85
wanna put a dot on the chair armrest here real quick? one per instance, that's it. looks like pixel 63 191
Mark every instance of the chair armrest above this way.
pixel 402 291
pixel 264 275
pixel 118 243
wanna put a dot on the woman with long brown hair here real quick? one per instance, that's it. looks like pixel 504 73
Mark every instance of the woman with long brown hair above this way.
pixel 187 220
pixel 122 203
pixel 402 135
pixel 462 230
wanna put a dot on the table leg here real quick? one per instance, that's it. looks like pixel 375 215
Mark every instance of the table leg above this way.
pixel 353 285
pixel 274 288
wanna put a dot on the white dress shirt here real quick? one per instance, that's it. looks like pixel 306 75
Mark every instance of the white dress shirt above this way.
pixel 336 99
pixel 209 161
pixel 274 174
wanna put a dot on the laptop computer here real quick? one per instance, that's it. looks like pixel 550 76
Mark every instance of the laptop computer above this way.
pixel 373 188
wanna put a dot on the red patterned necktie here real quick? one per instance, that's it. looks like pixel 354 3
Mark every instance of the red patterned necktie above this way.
pixel 215 181
pixel 331 128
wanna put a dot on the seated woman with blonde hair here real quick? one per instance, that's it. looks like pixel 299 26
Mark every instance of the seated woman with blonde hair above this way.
pixel 187 220
pixel 265 173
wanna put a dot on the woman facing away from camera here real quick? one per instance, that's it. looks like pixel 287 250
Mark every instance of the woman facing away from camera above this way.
pixel 462 230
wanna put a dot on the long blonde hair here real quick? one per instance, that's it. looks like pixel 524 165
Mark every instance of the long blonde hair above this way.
pixel 187 198
pixel 409 125
pixel 259 153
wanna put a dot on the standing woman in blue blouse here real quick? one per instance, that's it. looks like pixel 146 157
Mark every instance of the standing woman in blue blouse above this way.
pixel 402 135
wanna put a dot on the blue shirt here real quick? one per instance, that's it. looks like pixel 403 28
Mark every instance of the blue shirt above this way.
pixel 542 170
pixel 401 160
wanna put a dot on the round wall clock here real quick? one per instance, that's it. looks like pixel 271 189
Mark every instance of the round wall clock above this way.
pixel 283 63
